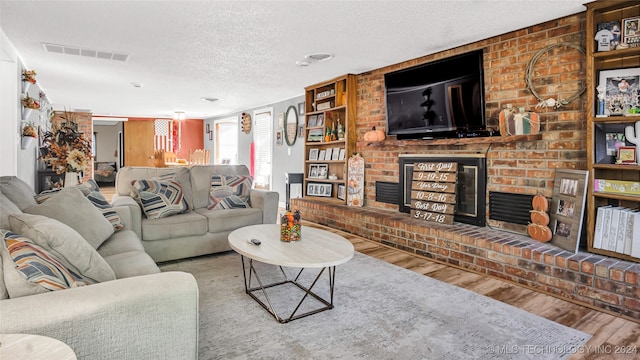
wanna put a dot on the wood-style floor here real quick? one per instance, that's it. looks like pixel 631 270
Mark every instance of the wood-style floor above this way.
pixel 612 337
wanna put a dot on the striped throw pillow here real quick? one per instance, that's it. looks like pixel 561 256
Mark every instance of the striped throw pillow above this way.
pixel 229 191
pixel 160 199
pixel 38 266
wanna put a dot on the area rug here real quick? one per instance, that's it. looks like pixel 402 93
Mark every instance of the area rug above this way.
pixel 382 311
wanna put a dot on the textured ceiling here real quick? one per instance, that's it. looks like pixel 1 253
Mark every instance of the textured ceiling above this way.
pixel 242 52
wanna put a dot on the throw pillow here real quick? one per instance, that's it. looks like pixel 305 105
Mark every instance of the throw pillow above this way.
pixel 29 269
pixel 64 243
pixel 7 207
pixel 70 207
pixel 91 190
pixel 160 199
pixel 229 191
pixel 45 195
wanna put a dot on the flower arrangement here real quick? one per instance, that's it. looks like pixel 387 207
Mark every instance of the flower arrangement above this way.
pixel 66 149
pixel 29 76
pixel 30 103
pixel 29 130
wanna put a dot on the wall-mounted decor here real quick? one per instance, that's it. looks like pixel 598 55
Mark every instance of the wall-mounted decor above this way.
pixel 530 71
pixel 279 140
pixel 246 123
pixel 631 31
pixel 317 189
pixel 301 108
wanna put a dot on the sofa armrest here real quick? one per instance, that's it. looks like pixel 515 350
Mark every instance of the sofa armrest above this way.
pixel 132 318
pixel 135 215
pixel 268 202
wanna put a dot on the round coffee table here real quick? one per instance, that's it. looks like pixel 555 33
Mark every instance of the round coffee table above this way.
pixel 317 248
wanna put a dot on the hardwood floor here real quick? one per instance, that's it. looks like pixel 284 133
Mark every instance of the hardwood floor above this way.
pixel 612 337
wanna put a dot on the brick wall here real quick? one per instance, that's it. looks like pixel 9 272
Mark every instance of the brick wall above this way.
pixel 517 167
pixel 526 167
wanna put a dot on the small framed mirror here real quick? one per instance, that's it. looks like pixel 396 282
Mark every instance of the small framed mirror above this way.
pixel 291 125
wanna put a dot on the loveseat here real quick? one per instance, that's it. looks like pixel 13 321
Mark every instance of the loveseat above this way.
pixel 201 227
pixel 113 302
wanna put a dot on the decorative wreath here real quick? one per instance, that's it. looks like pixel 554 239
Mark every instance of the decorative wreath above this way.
pixel 528 78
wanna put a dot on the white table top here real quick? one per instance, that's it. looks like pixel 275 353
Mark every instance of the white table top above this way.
pixel 26 346
pixel 316 248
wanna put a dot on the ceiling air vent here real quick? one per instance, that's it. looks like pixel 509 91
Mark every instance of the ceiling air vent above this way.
pixel 71 50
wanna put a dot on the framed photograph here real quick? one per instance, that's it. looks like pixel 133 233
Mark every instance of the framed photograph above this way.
pixel 279 137
pixel 313 154
pixel 341 192
pixel 320 121
pixel 608 137
pixel 323 171
pixel 207 128
pixel 300 131
pixel 318 189
pixel 210 135
pixel 301 108
pixel 321 155
pixel 621 89
pixel 631 31
pixel 315 135
pixel 280 120
pixel 608 35
pixel 335 154
pixel 313 171
pixel 313 121
pixel 327 155
pixel 342 154
pixel 567 208
pixel 627 155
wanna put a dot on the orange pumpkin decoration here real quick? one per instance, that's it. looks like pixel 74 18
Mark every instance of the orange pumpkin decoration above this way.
pixel 374 135
pixel 540 203
pixel 539 217
pixel 539 232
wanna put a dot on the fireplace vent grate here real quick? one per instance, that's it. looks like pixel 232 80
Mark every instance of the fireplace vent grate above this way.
pixel 387 192
pixel 513 208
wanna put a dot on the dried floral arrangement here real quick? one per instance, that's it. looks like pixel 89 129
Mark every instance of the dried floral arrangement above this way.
pixel 65 148
pixel 29 130
pixel 30 102
pixel 29 76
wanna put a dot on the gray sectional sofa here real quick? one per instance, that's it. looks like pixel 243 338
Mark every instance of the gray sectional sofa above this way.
pixel 134 312
pixel 200 231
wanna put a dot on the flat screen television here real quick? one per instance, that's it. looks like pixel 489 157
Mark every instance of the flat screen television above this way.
pixel 440 99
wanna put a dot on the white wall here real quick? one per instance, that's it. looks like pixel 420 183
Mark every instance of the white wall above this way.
pixel 9 106
pixel 286 159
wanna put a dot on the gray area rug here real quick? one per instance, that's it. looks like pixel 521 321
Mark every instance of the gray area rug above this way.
pixel 381 311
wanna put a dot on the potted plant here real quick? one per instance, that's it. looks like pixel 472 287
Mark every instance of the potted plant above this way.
pixel 29 132
pixel 29 104
pixel 28 78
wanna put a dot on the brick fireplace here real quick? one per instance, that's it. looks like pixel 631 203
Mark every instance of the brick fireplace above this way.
pixel 514 165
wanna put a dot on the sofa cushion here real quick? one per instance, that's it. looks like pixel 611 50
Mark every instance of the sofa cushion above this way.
pixel 128 174
pixel 18 191
pixel 30 269
pixel 160 198
pixel 7 207
pixel 132 263
pixel 231 219
pixel 187 224
pixel 91 190
pixel 64 243
pixel 71 207
pixel 201 180
pixel 229 191
pixel 122 241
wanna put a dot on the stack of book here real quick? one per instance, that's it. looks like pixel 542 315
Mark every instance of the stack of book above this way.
pixel 618 230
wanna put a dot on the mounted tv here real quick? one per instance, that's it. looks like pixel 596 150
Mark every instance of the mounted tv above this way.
pixel 440 99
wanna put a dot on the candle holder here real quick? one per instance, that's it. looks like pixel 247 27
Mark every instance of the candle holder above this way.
pixel 290 226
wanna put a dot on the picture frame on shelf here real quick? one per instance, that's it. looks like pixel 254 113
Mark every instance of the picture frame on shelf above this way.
pixel 313 171
pixel 341 192
pixel 313 154
pixel 608 35
pixel 301 108
pixel 631 31
pixel 342 154
pixel 335 154
pixel 568 208
pixel 613 133
pixel 323 171
pixel 320 121
pixel 315 135
pixel 319 189
pixel 321 155
pixel 627 155
pixel 620 87
pixel 327 155
pixel 614 141
pixel 313 120
pixel 324 105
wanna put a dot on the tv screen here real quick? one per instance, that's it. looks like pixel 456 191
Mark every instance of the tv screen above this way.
pixel 439 99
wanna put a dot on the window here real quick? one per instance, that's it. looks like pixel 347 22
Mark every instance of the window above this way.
pixel 263 140
pixel 226 141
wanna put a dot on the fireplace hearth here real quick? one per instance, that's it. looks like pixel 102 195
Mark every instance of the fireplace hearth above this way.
pixel 471 186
